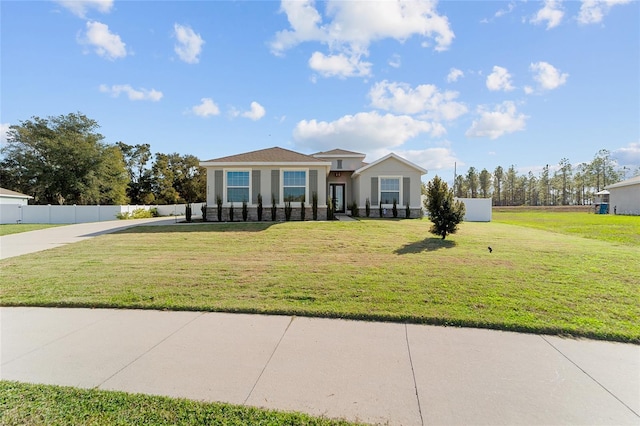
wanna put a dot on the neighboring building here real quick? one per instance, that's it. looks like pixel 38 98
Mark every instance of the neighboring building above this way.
pixel 624 197
pixel 12 197
pixel 339 175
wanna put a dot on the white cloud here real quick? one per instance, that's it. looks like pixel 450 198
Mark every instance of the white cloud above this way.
pixel 189 45
pixel 593 11
pixel 351 26
pixel 499 79
pixel 256 113
pixel 133 94
pixel 454 75
pixel 4 128
pixel 551 13
pixel 547 76
pixel 206 108
pixel 431 158
pixel 425 99
pixel 81 7
pixel 493 124
pixel 395 61
pixel 339 65
pixel 363 131
pixel 105 43
pixel 628 156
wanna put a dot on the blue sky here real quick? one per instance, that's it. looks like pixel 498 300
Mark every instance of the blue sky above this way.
pixel 469 82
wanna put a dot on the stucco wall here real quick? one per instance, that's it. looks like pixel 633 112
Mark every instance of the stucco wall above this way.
pixel 625 199
pixel 389 167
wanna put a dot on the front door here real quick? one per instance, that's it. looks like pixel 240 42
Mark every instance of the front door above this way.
pixel 336 190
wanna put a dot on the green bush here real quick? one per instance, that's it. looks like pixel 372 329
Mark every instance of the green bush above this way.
pixel 274 208
pixel 394 209
pixel 407 211
pixel 203 209
pixel 231 213
pixel 287 211
pixel 245 212
pixel 187 212
pixel 259 207
pixel 219 203
pixel 354 209
pixel 380 208
pixel 136 214
pixel 367 207
pixel 302 211
pixel 154 212
pixel 314 205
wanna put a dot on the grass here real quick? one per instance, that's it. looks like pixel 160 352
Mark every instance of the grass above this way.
pixel 7 229
pixel 392 270
pixel 611 228
pixel 29 404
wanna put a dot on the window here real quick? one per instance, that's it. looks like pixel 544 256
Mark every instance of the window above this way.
pixel 294 186
pixel 339 164
pixel 237 187
pixel 389 190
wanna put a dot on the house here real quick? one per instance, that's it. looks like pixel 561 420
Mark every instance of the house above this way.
pixel 624 197
pixel 12 197
pixel 279 175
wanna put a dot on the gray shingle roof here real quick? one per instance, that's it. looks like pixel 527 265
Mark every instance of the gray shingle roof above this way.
pixel 269 155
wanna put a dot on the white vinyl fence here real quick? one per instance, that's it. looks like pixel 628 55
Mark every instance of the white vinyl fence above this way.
pixel 16 213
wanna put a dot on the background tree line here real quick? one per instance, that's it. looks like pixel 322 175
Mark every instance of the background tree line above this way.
pixel 567 185
pixel 64 160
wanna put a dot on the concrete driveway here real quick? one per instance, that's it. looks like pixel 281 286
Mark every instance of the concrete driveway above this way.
pixel 385 373
pixel 44 239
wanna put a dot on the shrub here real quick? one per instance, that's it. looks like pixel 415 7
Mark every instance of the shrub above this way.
pixel 367 207
pixel 314 205
pixel 394 209
pixel 245 212
pixel 329 209
pixel 136 214
pixel 274 208
pixel 259 207
pixel 287 210
pixel 203 209
pixel 302 212
pixel 380 211
pixel 407 211
pixel 154 212
pixel 354 209
pixel 219 203
pixel 187 212
pixel 231 213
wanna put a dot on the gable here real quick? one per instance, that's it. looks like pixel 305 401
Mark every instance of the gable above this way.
pixel 391 165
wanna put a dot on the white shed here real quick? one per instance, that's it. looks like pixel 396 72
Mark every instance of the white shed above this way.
pixel 12 197
pixel 624 197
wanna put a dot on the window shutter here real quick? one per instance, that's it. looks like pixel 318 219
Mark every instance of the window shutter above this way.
pixel 406 190
pixel 275 184
pixel 218 190
pixel 374 191
pixel 313 181
pixel 255 186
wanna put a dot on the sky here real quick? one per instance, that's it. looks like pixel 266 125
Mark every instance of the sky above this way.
pixel 447 85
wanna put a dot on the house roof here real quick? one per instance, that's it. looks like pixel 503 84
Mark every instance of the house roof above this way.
pixel 633 181
pixel 387 157
pixel 275 155
pixel 339 153
pixel 13 194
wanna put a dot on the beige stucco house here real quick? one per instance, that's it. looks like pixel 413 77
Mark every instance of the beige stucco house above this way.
pixel 281 175
pixel 624 197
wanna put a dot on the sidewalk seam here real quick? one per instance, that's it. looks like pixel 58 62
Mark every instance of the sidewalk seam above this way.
pixel 268 361
pixel 148 350
pixel 413 373
pixel 590 376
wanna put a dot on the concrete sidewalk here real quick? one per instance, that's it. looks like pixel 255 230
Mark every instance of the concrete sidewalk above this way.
pixel 44 239
pixel 373 372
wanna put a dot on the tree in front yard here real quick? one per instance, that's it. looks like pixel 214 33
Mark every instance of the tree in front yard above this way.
pixel 444 212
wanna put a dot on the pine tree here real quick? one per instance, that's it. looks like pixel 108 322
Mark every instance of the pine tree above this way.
pixel 444 212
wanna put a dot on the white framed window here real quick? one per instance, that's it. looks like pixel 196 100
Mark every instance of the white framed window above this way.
pixel 238 186
pixel 294 186
pixel 390 189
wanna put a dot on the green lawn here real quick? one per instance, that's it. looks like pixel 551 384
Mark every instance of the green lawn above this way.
pixel 535 280
pixel 7 229
pixel 27 404
pixel 611 228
